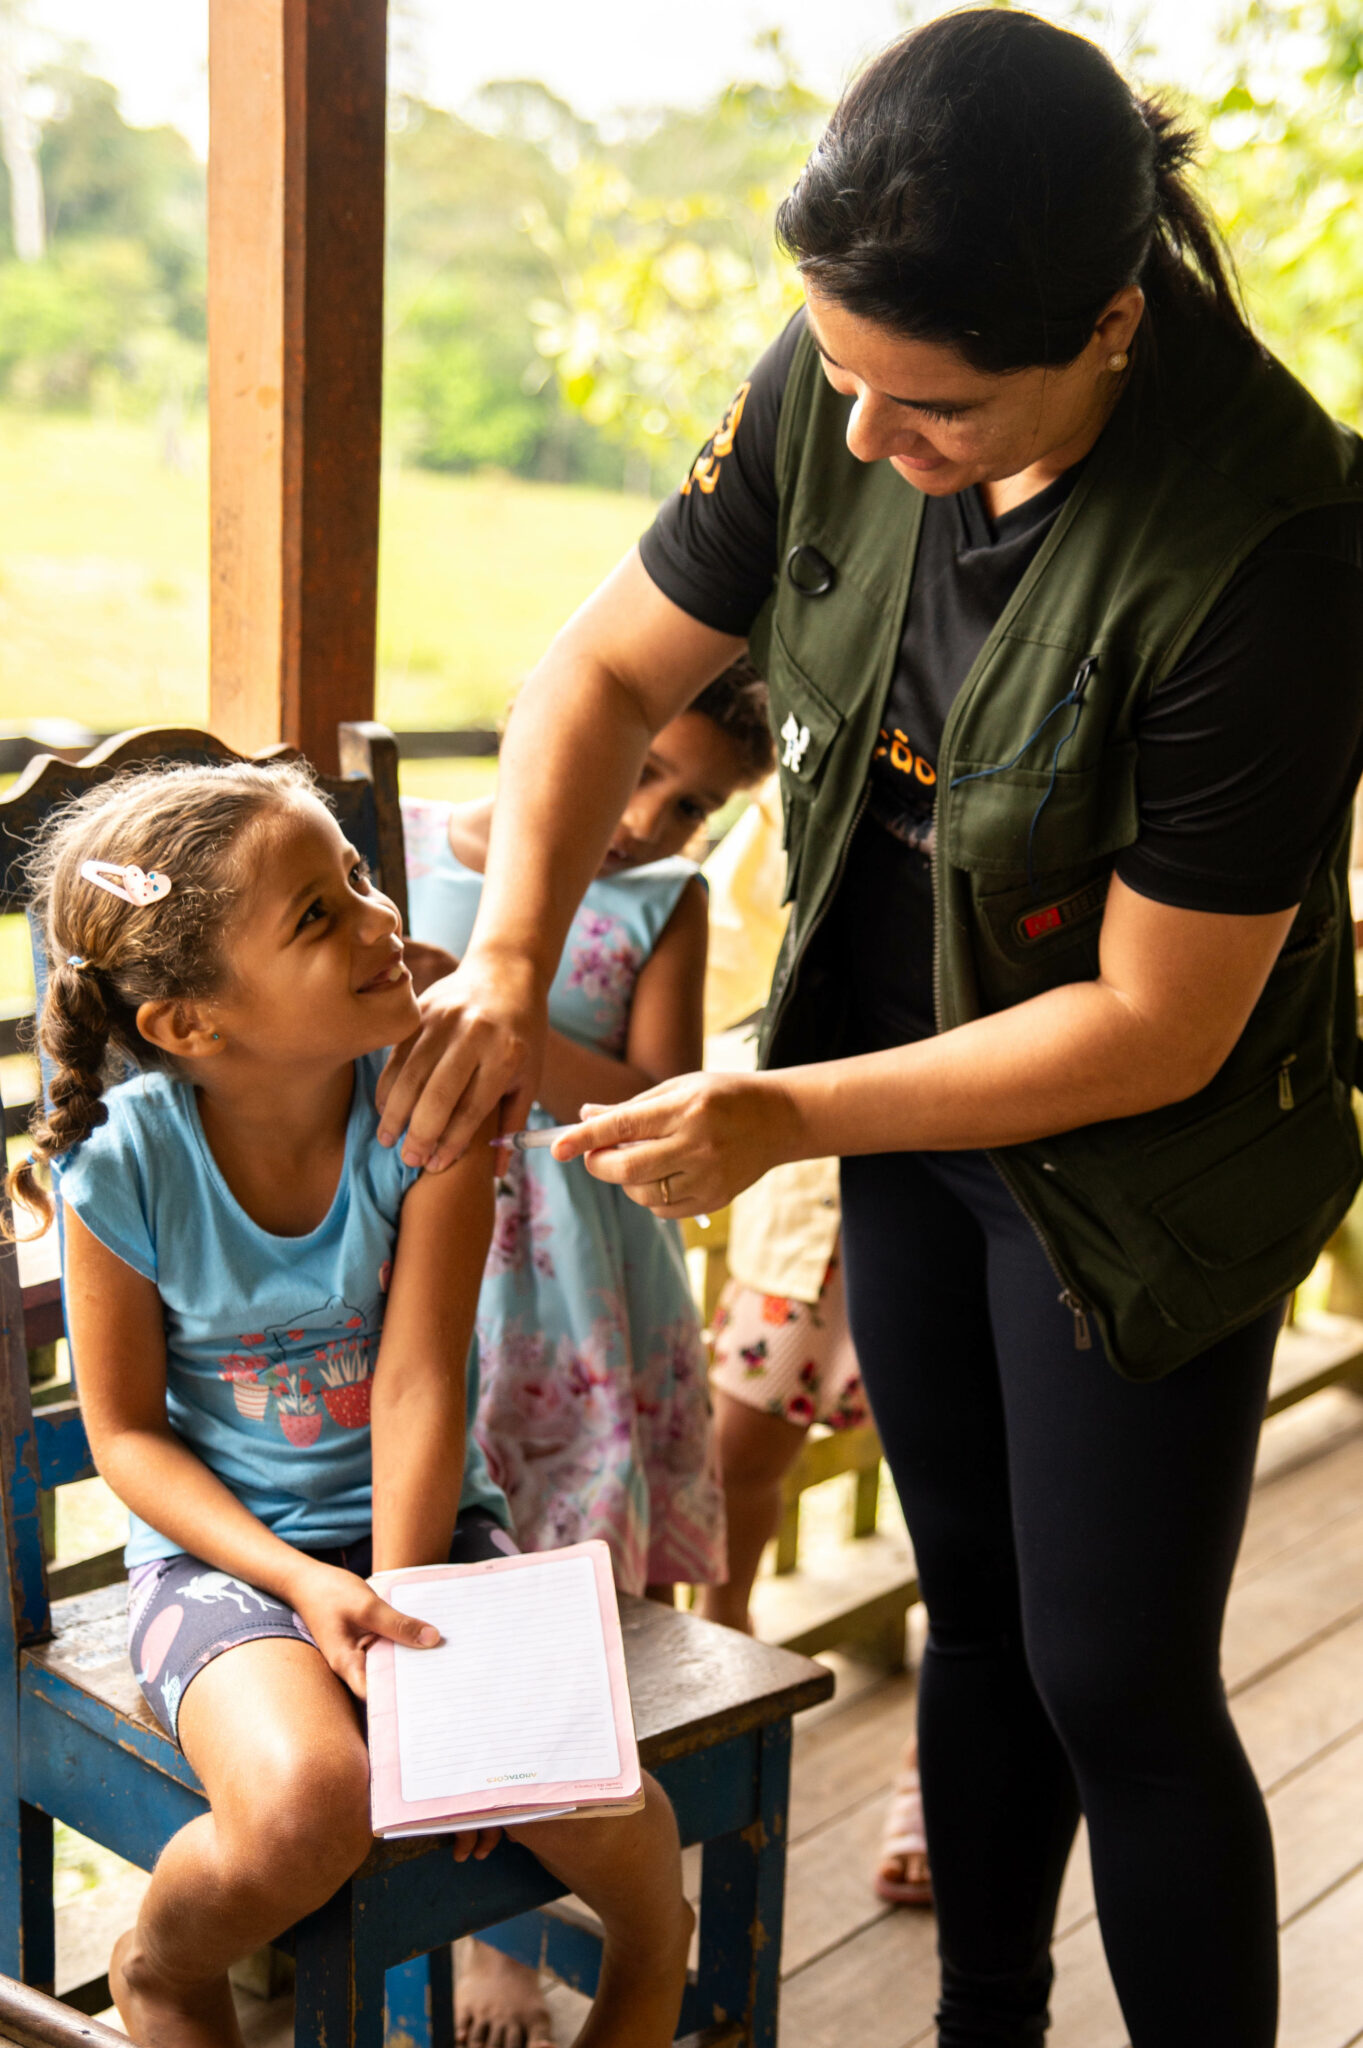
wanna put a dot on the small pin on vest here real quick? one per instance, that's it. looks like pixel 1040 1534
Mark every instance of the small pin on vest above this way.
pixel 796 738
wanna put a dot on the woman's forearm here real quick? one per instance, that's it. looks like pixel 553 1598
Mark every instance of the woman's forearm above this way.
pixel 1077 1055
pixel 571 756
pixel 1173 994
pixel 625 664
pixel 161 1480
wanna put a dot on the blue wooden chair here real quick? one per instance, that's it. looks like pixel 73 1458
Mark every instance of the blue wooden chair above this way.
pixel 78 1744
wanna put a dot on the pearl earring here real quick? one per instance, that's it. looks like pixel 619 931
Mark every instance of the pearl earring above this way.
pixel 1117 361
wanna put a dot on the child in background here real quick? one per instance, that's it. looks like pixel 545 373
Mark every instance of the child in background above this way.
pixel 783 1358
pixel 593 1408
pixel 783 1353
pixel 270 1315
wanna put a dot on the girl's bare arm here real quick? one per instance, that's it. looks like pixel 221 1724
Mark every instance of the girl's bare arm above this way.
pixel 417 1415
pixel 665 1022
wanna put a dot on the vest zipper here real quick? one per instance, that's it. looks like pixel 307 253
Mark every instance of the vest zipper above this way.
pixel 1286 1099
pixel 1083 1336
pixel 1068 1296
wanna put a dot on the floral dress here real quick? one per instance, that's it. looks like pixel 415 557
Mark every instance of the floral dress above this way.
pixel 593 1407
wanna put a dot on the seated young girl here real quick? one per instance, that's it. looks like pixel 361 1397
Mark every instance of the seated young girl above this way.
pixel 270 1318
pixel 593 1407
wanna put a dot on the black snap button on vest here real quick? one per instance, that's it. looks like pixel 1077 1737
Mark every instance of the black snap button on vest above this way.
pixel 812 574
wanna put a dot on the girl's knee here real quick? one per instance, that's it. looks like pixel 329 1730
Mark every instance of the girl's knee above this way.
pixel 304 1824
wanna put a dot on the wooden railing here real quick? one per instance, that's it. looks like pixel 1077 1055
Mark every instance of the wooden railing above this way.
pixel 450 743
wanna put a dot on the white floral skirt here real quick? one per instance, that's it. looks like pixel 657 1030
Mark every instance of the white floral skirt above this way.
pixel 593 1407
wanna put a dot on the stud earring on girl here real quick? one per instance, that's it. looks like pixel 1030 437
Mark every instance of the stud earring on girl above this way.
pixel 1117 361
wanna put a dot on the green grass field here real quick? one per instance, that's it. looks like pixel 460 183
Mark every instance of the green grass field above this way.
pixel 104 592
pixel 104 579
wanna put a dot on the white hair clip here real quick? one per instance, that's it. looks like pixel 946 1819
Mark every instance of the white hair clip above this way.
pixel 129 883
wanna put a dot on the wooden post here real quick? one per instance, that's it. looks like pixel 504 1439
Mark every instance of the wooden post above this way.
pixel 295 342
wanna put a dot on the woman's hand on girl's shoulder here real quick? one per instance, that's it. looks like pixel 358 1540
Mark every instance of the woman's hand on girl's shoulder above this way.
pixel 344 1615
pixel 481 1043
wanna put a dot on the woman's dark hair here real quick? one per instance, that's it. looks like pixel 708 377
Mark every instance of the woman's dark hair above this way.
pixel 736 702
pixel 107 957
pixel 989 182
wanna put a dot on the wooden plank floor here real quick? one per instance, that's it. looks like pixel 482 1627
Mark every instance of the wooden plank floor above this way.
pixel 1294 1665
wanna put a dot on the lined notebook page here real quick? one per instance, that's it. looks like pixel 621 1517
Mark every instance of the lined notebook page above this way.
pixel 516 1694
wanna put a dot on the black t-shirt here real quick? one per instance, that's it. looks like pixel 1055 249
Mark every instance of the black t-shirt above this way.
pixel 1245 753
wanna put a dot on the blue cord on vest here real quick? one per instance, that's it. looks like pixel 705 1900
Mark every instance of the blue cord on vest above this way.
pixel 1074 696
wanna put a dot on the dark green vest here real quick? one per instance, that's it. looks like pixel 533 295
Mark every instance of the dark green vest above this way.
pixel 1173 1227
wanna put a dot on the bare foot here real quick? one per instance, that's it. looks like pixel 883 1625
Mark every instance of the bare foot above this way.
pixel 498 2002
pixel 638 2000
pixel 158 2015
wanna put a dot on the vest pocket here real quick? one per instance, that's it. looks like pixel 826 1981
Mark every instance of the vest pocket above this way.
pixel 1265 1195
pixel 804 721
pixel 1224 1216
pixel 1046 936
pixel 805 725
pixel 1076 816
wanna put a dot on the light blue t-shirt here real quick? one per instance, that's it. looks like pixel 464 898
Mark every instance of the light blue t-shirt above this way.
pixel 270 1341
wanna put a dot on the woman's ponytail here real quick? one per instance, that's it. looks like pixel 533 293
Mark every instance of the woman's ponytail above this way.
pixel 1187 259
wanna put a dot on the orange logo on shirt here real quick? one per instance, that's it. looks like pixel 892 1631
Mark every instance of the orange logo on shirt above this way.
pixel 895 746
pixel 705 469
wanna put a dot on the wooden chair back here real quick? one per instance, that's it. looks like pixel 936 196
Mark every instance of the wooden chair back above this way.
pixel 43 1448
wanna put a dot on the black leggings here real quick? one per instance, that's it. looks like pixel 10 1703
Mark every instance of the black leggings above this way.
pixel 1075 1536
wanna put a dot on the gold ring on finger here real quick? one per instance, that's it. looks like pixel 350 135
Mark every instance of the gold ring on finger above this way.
pixel 665 1190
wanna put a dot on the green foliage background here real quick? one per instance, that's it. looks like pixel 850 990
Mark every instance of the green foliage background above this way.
pixel 566 306
pixel 575 307
pixel 1285 172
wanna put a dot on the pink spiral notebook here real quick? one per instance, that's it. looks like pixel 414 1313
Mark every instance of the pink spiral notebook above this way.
pixel 522 1710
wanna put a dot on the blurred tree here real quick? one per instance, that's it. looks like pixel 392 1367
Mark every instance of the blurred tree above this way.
pixel 117 301
pixel 669 280
pixel 69 318
pixel 1285 170
pixel 19 136
pixel 464 384
pixel 104 178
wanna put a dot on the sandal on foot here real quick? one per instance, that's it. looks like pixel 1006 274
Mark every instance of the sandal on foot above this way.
pixel 904 1836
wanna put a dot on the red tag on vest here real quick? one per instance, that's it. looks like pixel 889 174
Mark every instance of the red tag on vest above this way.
pixel 1043 921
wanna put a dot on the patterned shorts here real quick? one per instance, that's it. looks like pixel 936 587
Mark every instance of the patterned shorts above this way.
pixel 790 1358
pixel 182 1614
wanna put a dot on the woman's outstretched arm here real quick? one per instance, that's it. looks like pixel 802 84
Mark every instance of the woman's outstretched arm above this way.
pixel 1173 994
pixel 625 664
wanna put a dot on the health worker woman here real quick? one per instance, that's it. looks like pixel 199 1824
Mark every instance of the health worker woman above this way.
pixel 1057 578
